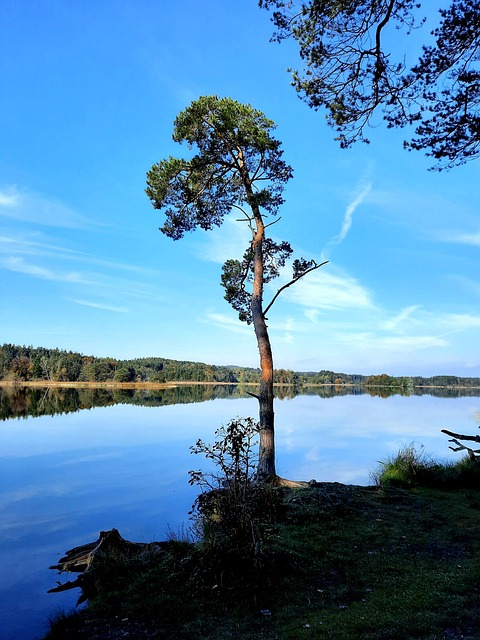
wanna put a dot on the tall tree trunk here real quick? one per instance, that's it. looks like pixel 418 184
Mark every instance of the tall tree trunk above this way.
pixel 266 462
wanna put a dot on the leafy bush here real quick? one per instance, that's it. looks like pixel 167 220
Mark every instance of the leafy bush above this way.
pixel 234 515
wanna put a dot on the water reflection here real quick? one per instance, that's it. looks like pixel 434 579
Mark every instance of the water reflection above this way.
pixel 23 402
pixel 66 474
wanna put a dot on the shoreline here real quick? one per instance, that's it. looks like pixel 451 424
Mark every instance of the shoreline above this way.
pixel 178 383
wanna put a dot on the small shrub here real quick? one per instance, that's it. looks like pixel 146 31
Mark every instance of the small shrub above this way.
pixel 464 474
pixel 408 468
pixel 413 467
pixel 234 515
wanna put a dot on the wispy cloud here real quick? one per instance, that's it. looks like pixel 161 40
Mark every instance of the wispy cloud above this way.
pixel 11 245
pixel 401 332
pixel 228 322
pixel 9 198
pixel 19 265
pixel 401 343
pixel 327 290
pixel 455 322
pixel 98 305
pixel 362 192
pixel 26 206
pixel 47 261
pixel 455 237
pixel 312 314
pixel 397 322
pixel 226 242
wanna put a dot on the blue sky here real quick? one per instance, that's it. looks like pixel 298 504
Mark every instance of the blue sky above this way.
pixel 89 94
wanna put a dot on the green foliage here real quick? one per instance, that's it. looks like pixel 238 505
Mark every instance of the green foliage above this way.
pixel 62 366
pixel 351 68
pixel 403 385
pixel 238 164
pixel 412 467
pixel 447 77
pixel 21 368
pixel 408 468
pixel 236 274
pixel 364 563
pixel 124 374
pixel 234 515
pixel 56 365
pixel 232 140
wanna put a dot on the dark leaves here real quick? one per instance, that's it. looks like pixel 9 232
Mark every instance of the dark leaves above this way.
pixel 301 266
pixel 236 161
pixel 237 275
pixel 349 69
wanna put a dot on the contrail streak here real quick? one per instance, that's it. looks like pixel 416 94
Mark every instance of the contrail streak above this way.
pixel 347 220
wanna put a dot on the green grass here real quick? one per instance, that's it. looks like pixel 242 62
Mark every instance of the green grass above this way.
pixel 389 564
pixel 412 467
pixel 345 563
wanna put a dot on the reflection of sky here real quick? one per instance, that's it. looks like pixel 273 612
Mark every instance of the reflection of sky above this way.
pixel 65 478
pixel 341 439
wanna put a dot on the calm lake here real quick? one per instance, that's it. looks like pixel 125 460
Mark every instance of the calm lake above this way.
pixel 75 462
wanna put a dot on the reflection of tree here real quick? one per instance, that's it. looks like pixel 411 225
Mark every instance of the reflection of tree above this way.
pixel 24 402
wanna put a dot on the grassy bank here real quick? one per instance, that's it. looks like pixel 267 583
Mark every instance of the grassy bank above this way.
pixel 342 563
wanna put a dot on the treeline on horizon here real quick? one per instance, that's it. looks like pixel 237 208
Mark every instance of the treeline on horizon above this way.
pixel 23 364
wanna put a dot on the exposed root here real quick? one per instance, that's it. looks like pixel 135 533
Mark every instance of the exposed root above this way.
pixel 80 559
pixel 294 484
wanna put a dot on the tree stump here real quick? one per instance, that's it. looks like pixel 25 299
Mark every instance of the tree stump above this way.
pixel 81 560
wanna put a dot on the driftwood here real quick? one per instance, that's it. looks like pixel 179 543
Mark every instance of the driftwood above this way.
pixel 81 559
pixel 456 437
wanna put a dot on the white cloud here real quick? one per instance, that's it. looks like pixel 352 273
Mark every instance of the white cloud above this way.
pixel 230 323
pixel 397 322
pixel 19 265
pixel 23 246
pixel 97 305
pixel 8 198
pixel 347 219
pixel 312 314
pixel 326 290
pixel 35 208
pixel 428 330
pixel 455 322
pixel 229 241
pixel 459 238
pixel 400 343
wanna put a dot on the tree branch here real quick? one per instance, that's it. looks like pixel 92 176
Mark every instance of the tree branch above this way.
pixel 461 437
pixel 272 223
pixel 289 284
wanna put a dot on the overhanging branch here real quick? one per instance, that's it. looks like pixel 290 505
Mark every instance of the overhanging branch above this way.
pixel 289 284
pixel 472 453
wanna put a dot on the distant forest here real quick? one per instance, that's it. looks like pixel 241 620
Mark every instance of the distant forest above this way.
pixel 23 364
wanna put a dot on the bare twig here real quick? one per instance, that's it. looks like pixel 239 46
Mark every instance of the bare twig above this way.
pixel 289 284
